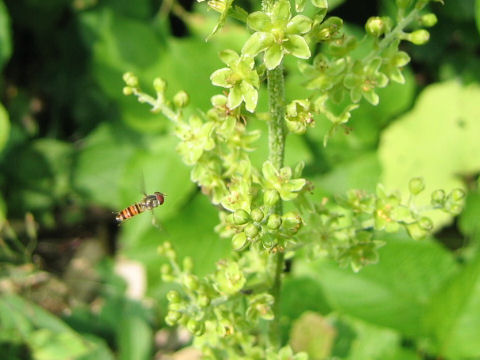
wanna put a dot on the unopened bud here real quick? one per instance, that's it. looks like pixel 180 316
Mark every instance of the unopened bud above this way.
pixel 239 241
pixel 257 215
pixel 428 20
pixel 418 37
pixel 240 217
pixel 416 185
pixel 252 230
pixel 274 221
pixel 159 85
pixel 181 99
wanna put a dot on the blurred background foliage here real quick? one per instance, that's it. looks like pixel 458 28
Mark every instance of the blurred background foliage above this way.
pixel 73 149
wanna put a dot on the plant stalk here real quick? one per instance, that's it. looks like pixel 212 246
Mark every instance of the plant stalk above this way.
pixel 276 142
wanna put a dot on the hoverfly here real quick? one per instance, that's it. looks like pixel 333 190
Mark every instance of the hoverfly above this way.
pixel 149 202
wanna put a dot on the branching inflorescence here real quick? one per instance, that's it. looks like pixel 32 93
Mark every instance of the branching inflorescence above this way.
pixel 224 310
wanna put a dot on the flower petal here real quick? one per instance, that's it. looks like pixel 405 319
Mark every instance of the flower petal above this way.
pixel 297 46
pixel 234 97
pixel 250 95
pixel 259 21
pixel 221 78
pixel 300 24
pixel 281 11
pixel 273 56
pixel 229 57
pixel 257 43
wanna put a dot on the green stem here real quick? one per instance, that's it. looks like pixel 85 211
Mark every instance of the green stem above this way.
pixel 276 142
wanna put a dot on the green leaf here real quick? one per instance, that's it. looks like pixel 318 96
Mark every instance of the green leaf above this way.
pixel 477 14
pixel 273 56
pixel 4 127
pixel 454 314
pixel 297 46
pixel 135 339
pixel 393 293
pixel 5 38
pixel 95 175
pixel 313 334
pixel 446 111
pixel 468 222
pixel 259 21
pixel 257 43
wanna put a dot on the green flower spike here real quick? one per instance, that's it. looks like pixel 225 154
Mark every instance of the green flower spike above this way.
pixel 277 33
pixel 240 78
pixel 196 138
pixel 281 181
pixel 363 81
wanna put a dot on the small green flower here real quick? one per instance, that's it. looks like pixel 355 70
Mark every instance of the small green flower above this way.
pixel 281 181
pixel 324 73
pixel 298 116
pixel 363 80
pixel 384 213
pixel 229 278
pixel 393 62
pixel 240 78
pixel 260 306
pixel 196 138
pixel 277 33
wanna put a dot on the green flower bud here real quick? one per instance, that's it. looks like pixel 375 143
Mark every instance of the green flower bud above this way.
pixel 218 100
pixel 240 217
pixel 127 90
pixel 438 198
pixel 166 269
pixel 172 317
pixel 173 296
pixel 291 222
pixel 130 79
pixel 418 37
pixel 191 282
pixel 428 20
pixel 187 264
pixel 426 223
pixel 457 195
pixel 197 328
pixel 252 230
pixel 271 197
pixel 239 241
pixel 377 26
pixel 416 185
pixel 257 215
pixel 181 99
pixel 176 306
pixel 159 85
pixel 274 221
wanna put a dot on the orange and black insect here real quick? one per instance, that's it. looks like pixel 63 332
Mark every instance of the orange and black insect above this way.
pixel 149 202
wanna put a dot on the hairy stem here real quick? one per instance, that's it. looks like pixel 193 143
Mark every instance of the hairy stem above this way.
pixel 276 141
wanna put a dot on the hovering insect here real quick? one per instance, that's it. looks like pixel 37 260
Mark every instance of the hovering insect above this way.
pixel 149 202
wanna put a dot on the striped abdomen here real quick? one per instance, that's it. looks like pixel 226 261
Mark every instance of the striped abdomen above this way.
pixel 130 211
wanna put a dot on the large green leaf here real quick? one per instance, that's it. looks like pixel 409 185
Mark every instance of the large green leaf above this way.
pixel 453 316
pixel 47 336
pixel 393 293
pixel 101 163
pixel 5 39
pixel 135 339
pixel 4 127
pixel 437 140
pixel 477 14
